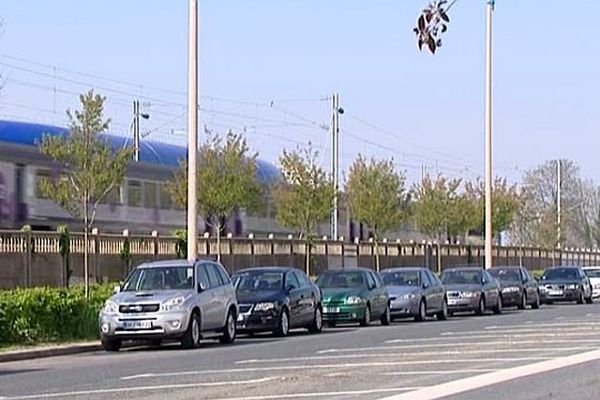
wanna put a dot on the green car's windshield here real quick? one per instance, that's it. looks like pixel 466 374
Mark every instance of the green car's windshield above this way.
pixel 160 278
pixel 349 279
pixel 401 278
pixel 461 277
pixel 506 274
pixel 258 281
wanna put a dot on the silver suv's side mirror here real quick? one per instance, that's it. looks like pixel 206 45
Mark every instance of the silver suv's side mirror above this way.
pixel 201 287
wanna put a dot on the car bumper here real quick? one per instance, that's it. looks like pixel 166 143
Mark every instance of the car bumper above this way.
pixel 257 322
pixel 403 308
pixel 511 299
pixel 596 293
pixel 156 325
pixel 463 304
pixel 567 295
pixel 343 313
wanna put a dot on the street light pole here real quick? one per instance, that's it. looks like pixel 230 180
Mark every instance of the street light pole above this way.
pixel 558 203
pixel 192 202
pixel 488 135
pixel 335 163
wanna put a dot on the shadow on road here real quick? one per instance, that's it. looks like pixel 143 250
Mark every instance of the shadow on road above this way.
pixel 18 371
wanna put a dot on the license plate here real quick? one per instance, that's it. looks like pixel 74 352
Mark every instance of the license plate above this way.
pixel 452 302
pixel 137 324
pixel 329 310
pixel 555 292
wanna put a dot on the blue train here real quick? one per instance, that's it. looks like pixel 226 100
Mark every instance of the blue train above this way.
pixel 141 204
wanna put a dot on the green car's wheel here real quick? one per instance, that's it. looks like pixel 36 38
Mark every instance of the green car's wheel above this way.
pixel 366 317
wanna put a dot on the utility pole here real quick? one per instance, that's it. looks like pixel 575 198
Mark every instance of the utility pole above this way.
pixel 558 202
pixel 136 130
pixel 335 161
pixel 192 201
pixel 488 135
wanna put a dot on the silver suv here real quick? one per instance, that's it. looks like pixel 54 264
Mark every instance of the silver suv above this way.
pixel 176 299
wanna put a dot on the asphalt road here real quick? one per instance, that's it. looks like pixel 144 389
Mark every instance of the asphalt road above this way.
pixel 489 357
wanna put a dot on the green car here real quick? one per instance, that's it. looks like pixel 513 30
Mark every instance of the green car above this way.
pixel 354 295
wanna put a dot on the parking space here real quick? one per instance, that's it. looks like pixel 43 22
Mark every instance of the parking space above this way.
pixel 342 363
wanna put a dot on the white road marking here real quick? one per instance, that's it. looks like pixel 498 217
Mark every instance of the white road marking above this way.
pixel 322 394
pixel 476 382
pixel 542 326
pixel 496 336
pixel 438 345
pixel 415 354
pixel 329 366
pixel 451 372
pixel 139 389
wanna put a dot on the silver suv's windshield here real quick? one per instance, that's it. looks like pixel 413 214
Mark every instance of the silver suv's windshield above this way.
pixel 160 278
pixel 401 278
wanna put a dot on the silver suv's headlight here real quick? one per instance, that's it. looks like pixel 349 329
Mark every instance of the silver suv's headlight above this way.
pixel 172 304
pixel 110 307
pixel 264 306
pixel 511 289
pixel 470 294
pixel 407 296
pixel 571 287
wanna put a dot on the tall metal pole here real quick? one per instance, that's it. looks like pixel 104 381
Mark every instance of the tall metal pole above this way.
pixel 335 163
pixel 192 202
pixel 136 130
pixel 558 202
pixel 488 136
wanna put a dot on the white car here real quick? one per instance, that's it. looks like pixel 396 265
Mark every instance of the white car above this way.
pixel 594 274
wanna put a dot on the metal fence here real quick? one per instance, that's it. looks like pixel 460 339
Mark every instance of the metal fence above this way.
pixel 34 258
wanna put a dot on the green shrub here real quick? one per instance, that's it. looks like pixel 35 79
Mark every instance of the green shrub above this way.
pixel 36 315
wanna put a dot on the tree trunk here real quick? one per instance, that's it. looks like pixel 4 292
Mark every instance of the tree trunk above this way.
pixel 376 249
pixel 86 274
pixel 307 261
pixel 218 226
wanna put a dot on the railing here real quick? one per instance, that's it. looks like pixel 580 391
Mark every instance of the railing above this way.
pixel 49 243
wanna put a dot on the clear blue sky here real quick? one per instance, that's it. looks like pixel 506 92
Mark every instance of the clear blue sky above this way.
pixel 547 89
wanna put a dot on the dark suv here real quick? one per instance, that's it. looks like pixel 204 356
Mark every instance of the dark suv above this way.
pixel 565 284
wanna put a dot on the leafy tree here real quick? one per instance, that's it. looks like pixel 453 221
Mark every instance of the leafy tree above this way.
pixel 440 209
pixel 226 181
pixel 376 196
pixel 90 167
pixel 505 203
pixel 304 198
pixel 580 207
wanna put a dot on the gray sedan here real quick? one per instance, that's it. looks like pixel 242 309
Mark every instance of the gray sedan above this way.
pixel 472 289
pixel 415 292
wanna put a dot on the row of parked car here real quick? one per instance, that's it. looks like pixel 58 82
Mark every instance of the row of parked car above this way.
pixel 190 301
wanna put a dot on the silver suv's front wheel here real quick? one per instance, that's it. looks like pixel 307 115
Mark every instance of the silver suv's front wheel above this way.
pixel 191 338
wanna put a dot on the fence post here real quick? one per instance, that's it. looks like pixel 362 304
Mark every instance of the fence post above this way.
pixel 155 244
pixel 29 247
pixel 96 253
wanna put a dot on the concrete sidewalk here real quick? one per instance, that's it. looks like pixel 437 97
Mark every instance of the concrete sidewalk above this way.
pixel 49 350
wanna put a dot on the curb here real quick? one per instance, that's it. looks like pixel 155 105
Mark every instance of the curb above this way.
pixel 28 354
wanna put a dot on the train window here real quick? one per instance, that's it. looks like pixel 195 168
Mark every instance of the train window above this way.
pixel 114 196
pixel 150 194
pixel 134 193
pixel 165 197
pixel 41 175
